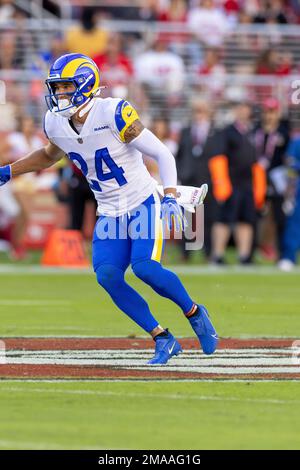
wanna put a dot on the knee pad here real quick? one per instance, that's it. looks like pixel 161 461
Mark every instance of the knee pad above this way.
pixel 109 276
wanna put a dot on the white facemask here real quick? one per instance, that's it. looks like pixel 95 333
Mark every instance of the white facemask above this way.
pixel 67 113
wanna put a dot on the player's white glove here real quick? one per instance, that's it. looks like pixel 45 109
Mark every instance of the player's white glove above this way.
pixel 172 213
pixel 5 174
pixel 189 197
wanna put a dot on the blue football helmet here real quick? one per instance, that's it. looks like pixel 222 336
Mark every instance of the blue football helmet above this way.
pixel 79 70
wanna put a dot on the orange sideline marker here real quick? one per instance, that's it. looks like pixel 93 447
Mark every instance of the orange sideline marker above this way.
pixel 65 248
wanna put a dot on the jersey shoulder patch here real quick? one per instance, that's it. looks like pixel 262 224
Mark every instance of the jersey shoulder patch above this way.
pixel 125 115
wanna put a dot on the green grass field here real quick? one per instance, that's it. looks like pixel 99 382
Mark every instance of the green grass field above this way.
pixel 149 415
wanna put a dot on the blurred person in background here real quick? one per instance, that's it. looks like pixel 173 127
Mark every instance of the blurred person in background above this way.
pixel 272 62
pixel 116 67
pixel 196 144
pixel 212 63
pixel 215 71
pixel 175 11
pixel 209 23
pixel 149 11
pixel 16 41
pixel 79 195
pixel 162 72
pixel 232 7
pixel 270 11
pixel 24 187
pixel 9 57
pixel 88 38
pixel 291 235
pixel 56 47
pixel 39 66
pixel 271 140
pixel 7 10
pixel 238 184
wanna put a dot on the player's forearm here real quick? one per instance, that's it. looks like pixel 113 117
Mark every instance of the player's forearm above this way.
pixel 34 161
pixel 149 144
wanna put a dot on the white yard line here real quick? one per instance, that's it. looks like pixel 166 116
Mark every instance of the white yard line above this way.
pixel 160 396
pixel 261 361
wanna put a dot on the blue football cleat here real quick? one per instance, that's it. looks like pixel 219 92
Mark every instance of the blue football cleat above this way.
pixel 204 329
pixel 165 347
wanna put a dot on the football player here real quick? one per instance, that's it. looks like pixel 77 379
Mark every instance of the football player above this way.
pixel 106 139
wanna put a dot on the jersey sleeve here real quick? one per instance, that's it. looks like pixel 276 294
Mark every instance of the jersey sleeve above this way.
pixel 44 127
pixel 125 114
pixel 48 126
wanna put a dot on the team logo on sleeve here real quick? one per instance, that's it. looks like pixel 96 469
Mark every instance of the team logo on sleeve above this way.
pixel 125 115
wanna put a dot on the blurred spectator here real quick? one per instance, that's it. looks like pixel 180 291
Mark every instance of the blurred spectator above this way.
pixel 291 237
pixel 161 70
pixel 215 70
pixel 270 11
pixel 40 67
pixel 295 9
pixel 232 7
pixel 80 194
pixel 208 23
pixel 56 48
pixel 10 11
pixel 232 168
pixel 271 62
pixel 88 38
pixel 7 10
pixel 271 141
pixel 115 66
pixel 196 145
pixel 175 10
pixel 9 57
pixel 149 11
pixel 20 143
pixel 161 128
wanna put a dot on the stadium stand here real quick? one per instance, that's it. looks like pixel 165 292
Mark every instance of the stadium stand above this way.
pixel 250 51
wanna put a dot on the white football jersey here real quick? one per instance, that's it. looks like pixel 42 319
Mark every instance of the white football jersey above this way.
pixel 114 170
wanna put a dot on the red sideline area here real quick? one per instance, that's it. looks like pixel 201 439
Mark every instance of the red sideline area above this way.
pixel 37 344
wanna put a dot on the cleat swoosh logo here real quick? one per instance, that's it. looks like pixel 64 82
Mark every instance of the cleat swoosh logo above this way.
pixel 215 336
pixel 171 349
